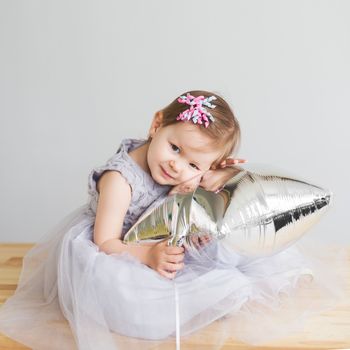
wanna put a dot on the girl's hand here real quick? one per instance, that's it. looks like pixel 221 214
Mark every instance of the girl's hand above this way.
pixel 216 178
pixel 186 187
pixel 199 241
pixel 212 180
pixel 166 260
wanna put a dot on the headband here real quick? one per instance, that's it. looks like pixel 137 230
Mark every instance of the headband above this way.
pixel 197 112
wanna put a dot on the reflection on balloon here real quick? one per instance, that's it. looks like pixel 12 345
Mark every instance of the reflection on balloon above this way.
pixel 258 213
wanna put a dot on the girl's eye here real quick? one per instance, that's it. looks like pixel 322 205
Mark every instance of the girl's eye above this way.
pixel 194 166
pixel 175 148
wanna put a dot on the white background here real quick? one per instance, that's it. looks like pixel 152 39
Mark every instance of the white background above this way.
pixel 78 76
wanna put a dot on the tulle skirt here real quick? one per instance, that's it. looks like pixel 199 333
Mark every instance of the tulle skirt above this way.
pixel 71 296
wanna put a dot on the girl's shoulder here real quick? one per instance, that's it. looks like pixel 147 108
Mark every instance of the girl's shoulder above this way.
pixel 120 162
pixel 138 179
pixel 111 179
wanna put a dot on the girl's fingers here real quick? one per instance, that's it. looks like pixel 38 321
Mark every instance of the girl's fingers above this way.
pixel 167 274
pixel 231 161
pixel 174 250
pixel 235 160
pixel 200 240
pixel 219 189
pixel 204 240
pixel 226 162
pixel 195 241
pixel 171 267
pixel 176 259
pixel 186 186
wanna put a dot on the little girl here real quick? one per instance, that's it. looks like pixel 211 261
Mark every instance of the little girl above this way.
pixel 117 296
pixel 179 152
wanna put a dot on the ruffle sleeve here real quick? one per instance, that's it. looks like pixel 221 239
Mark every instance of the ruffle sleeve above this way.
pixel 116 163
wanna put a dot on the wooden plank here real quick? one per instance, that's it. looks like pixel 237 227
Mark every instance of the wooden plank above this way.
pixel 329 330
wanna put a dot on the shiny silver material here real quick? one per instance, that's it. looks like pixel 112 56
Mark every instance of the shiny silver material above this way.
pixel 258 213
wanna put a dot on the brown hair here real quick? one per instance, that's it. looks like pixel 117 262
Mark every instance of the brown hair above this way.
pixel 224 131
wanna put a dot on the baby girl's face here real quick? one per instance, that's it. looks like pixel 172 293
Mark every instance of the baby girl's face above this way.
pixel 179 152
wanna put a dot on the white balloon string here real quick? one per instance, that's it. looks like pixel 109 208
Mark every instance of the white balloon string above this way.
pixel 177 317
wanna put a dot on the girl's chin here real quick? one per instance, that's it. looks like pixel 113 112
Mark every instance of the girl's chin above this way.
pixel 160 179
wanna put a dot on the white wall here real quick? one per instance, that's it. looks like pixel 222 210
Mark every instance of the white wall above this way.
pixel 78 76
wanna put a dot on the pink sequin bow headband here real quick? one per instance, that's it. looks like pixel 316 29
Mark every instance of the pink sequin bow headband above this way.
pixel 197 112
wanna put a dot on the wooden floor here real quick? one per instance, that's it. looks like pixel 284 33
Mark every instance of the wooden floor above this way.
pixel 329 330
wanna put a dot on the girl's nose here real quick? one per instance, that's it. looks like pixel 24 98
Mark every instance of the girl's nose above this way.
pixel 173 165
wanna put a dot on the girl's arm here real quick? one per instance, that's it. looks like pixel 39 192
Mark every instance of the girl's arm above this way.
pixel 113 203
pixel 215 178
pixel 211 180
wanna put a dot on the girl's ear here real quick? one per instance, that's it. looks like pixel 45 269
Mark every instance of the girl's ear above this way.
pixel 156 123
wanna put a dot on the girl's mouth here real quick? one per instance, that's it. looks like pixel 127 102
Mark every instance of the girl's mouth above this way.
pixel 165 174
